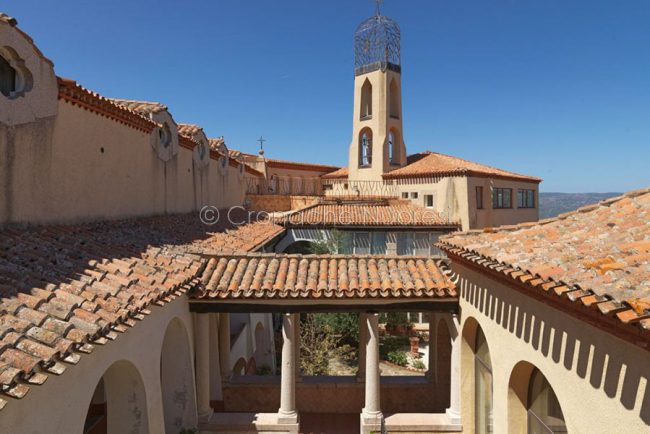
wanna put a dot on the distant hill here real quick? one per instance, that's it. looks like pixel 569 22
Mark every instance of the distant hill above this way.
pixel 553 204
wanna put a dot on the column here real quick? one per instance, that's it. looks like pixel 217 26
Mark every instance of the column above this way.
pixel 296 340
pixel 287 412
pixel 202 343
pixel 453 412
pixel 371 413
pixel 224 346
pixel 363 338
pixel 433 347
pixel 216 391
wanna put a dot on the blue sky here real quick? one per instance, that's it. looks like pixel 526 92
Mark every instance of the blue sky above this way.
pixel 554 88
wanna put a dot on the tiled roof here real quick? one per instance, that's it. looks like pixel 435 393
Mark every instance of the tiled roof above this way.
pixel 77 95
pixel 342 173
pixel 142 107
pixel 438 165
pixel 272 276
pixel 284 164
pixel 190 130
pixel 65 289
pixel 362 213
pixel 597 256
pixel 218 144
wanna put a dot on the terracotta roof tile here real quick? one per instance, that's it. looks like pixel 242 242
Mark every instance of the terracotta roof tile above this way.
pixel 64 289
pixel 433 164
pixel 271 276
pixel 598 255
pixel 342 173
pixel 141 107
pixel 364 213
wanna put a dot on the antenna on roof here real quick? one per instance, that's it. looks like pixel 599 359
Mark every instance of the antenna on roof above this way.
pixel 377 7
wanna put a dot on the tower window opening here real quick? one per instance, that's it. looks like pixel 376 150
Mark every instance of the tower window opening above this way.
pixel 394 100
pixel 365 151
pixel 366 100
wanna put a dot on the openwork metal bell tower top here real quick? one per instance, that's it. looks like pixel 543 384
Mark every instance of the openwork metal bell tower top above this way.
pixel 377 45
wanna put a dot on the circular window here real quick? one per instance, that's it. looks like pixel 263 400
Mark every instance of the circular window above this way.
pixel 15 79
pixel 165 136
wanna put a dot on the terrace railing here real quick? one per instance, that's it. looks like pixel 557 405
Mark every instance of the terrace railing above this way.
pixel 295 186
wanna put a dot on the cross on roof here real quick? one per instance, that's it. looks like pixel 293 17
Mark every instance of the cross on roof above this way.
pixel 261 140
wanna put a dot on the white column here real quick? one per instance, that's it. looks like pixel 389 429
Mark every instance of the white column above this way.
pixel 202 344
pixel 433 347
pixel 371 413
pixel 296 340
pixel 453 412
pixel 363 341
pixel 287 412
pixel 224 346
pixel 216 392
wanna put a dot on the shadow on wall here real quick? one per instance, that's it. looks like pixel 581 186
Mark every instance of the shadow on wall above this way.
pixel 603 365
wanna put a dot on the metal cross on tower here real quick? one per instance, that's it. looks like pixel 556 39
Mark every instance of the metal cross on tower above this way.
pixel 261 140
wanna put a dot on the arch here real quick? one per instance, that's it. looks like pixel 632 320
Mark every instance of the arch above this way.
pixel 532 403
pixel 177 383
pixel 120 391
pixel 483 397
pixel 240 367
pixel 366 100
pixel 262 354
pixel 365 148
pixel 299 247
pixel 443 361
pixel 394 99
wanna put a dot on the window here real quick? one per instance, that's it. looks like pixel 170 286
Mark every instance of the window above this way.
pixel 379 240
pixel 366 100
pixel 525 198
pixel 404 243
pixel 414 195
pixel 479 197
pixel 362 243
pixel 391 144
pixel 405 195
pixel 365 148
pixel 501 198
pixel 421 244
pixel 428 200
pixel 165 136
pixel 483 385
pixel 394 100
pixel 7 78
pixel 544 412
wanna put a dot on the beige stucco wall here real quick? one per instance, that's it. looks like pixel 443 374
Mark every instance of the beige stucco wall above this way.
pixel 54 170
pixel 60 405
pixel 600 380
pixel 488 217
pixel 380 124
pixel 450 196
pixel 456 197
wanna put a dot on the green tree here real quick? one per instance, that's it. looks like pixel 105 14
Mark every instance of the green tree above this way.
pixel 344 325
pixel 335 243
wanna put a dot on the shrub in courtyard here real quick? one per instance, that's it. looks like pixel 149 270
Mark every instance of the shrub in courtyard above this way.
pixel 398 357
pixel 319 345
pixel 389 344
pixel 419 364
pixel 344 325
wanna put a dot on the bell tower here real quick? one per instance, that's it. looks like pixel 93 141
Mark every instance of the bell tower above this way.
pixel 377 135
